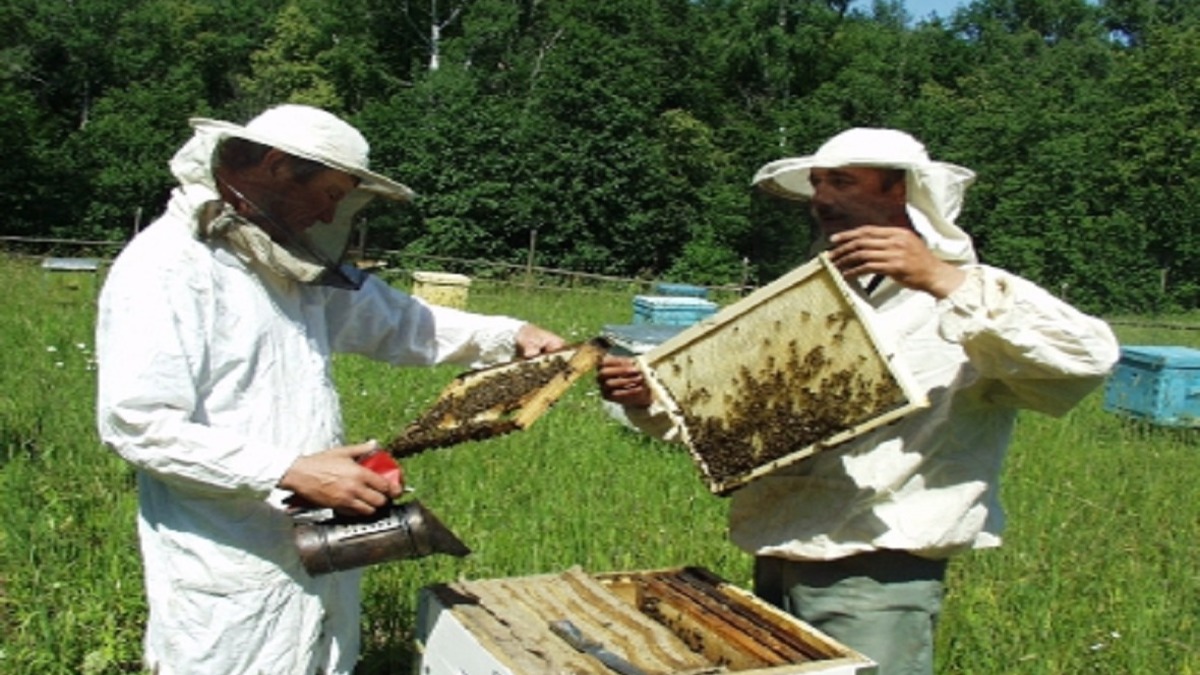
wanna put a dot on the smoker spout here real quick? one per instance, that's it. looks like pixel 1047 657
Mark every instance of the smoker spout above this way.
pixel 438 537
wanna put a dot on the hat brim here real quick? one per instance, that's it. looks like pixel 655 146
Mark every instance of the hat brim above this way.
pixel 370 181
pixel 789 178
pixel 786 178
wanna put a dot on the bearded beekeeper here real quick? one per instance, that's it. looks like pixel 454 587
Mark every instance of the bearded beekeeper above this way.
pixel 215 330
pixel 855 540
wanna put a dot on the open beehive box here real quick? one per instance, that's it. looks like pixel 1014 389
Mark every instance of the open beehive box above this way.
pixel 659 622
pixel 795 367
pixel 494 401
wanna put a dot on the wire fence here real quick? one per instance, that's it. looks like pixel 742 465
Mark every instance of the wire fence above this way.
pixel 399 267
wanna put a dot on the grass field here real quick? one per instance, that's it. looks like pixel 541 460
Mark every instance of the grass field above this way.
pixel 1099 572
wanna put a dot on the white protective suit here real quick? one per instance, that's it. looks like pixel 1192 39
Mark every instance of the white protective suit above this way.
pixel 927 484
pixel 214 377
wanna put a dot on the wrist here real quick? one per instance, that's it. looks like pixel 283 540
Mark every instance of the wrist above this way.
pixel 947 280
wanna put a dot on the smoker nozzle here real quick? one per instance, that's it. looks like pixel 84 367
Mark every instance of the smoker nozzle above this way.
pixel 397 532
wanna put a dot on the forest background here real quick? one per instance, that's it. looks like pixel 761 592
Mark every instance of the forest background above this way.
pixel 621 135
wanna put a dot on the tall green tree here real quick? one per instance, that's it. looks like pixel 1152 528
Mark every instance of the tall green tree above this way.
pixel 171 61
pixel 57 60
pixel 1029 117
pixel 289 68
pixel 1154 180
pixel 555 122
pixel 29 186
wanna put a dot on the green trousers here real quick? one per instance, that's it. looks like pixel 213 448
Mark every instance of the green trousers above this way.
pixel 883 605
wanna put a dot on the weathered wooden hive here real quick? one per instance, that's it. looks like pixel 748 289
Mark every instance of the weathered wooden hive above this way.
pixel 795 367
pixel 442 288
pixel 662 622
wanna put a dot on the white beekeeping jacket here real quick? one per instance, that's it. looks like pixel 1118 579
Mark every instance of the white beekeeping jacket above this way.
pixel 213 379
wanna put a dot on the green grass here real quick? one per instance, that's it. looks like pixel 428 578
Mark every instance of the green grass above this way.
pixel 1098 573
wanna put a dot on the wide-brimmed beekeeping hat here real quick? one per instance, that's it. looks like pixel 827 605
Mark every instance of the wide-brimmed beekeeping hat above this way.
pixel 315 134
pixel 935 189
pixel 301 131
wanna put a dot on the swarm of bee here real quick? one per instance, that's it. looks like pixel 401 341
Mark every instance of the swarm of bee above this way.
pixel 780 409
pixel 486 403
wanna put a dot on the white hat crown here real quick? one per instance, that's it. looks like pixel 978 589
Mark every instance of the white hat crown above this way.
pixel 318 134
pixel 311 133
pixel 874 147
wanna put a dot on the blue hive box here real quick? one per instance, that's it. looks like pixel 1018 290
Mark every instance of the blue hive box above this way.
pixel 681 290
pixel 634 339
pixel 1158 384
pixel 671 310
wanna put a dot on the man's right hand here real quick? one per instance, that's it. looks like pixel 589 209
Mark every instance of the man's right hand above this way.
pixel 334 478
pixel 895 252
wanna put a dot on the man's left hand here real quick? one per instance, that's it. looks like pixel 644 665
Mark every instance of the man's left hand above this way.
pixel 894 252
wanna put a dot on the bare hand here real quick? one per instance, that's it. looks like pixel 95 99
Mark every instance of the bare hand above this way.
pixel 333 478
pixel 532 341
pixel 894 252
pixel 621 381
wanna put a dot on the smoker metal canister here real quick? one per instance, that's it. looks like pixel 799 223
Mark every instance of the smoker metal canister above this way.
pixel 398 532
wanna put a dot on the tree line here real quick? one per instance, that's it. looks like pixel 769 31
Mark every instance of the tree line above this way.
pixel 622 135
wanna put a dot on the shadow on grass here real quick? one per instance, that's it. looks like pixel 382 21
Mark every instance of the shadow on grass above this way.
pixel 387 655
pixel 1182 434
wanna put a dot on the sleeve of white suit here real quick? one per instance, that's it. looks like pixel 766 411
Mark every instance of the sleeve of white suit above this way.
pixel 654 421
pixel 1036 351
pixel 383 323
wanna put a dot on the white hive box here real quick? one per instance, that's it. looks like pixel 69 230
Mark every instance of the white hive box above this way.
pixel 72 274
pixel 442 288
pixel 791 369
pixel 661 622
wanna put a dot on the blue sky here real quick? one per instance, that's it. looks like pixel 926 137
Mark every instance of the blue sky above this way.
pixel 919 9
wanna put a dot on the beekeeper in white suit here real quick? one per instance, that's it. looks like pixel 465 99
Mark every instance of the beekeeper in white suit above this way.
pixel 215 330
pixel 855 539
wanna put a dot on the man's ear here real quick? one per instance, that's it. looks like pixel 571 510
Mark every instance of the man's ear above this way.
pixel 275 164
pixel 898 190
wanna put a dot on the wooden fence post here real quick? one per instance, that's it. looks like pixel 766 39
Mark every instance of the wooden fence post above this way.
pixel 530 258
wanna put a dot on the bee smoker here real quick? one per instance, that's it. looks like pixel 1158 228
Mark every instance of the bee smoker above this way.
pixel 394 532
